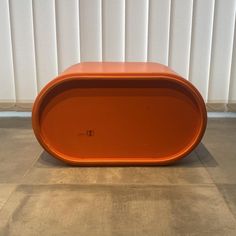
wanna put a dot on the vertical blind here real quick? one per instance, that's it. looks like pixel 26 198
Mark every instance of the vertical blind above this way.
pixel 39 39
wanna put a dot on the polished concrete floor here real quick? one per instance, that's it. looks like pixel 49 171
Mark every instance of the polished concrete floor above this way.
pixel 42 196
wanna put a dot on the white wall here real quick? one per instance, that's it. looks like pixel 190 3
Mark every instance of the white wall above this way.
pixel 40 38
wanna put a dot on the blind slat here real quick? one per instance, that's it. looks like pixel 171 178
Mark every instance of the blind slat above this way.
pixel 23 50
pixel 180 36
pixel 45 41
pixel 232 86
pixel 7 87
pixel 113 27
pixel 201 44
pixel 67 26
pixel 90 30
pixel 136 30
pixel 222 46
pixel 158 32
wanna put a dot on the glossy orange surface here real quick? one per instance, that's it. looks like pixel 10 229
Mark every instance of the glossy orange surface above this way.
pixel 119 114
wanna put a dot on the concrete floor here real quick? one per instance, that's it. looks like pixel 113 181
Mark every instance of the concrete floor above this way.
pixel 42 196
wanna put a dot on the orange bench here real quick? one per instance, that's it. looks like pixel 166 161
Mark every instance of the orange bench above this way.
pixel 111 113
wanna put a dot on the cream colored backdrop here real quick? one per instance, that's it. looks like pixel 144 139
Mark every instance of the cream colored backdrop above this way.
pixel 40 38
